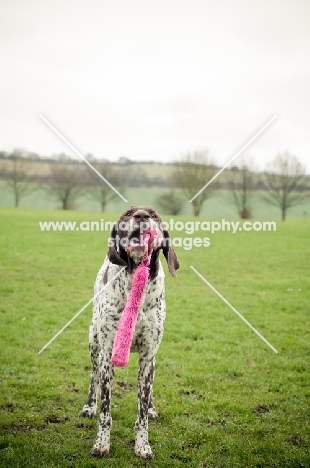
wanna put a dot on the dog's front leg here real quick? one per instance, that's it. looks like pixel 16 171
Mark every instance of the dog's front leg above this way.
pixel 145 382
pixel 102 443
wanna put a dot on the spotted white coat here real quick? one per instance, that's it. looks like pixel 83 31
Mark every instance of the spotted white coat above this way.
pixel 107 309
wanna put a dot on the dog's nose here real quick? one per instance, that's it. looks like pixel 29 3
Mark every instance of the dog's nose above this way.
pixel 141 215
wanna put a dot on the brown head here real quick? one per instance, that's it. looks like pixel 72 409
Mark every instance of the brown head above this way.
pixel 124 244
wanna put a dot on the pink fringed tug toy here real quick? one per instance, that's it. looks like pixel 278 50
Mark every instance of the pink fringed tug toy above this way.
pixel 127 323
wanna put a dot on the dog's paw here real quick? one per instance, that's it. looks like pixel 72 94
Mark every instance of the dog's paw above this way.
pixel 144 451
pixel 99 452
pixel 142 446
pixel 88 412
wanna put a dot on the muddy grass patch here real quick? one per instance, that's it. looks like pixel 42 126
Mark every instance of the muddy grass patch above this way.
pixel 15 427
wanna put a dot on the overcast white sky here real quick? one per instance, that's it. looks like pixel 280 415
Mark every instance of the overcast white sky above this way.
pixel 155 79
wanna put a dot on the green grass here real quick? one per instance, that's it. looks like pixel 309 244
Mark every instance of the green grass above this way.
pixel 225 398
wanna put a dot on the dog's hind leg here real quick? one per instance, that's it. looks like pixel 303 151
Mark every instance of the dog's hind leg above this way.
pixel 152 413
pixel 102 443
pixel 145 382
pixel 90 407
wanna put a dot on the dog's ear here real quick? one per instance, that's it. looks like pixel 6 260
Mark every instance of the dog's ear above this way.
pixel 169 253
pixel 112 252
pixel 154 264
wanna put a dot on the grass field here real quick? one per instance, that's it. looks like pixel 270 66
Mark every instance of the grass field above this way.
pixel 225 399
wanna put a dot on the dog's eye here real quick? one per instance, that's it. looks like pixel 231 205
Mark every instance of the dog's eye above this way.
pixel 128 213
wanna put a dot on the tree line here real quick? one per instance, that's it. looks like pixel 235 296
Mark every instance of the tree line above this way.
pixel 283 184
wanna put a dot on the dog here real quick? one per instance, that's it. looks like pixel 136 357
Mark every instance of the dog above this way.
pixel 123 257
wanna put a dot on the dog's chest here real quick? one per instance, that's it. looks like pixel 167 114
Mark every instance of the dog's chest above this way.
pixel 109 305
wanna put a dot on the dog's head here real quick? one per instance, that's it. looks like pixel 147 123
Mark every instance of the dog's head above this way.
pixel 124 244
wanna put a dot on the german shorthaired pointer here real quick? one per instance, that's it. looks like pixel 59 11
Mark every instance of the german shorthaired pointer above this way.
pixel 107 309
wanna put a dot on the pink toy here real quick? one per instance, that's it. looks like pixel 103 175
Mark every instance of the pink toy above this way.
pixel 127 323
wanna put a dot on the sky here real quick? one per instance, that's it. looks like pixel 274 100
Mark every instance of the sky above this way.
pixel 154 80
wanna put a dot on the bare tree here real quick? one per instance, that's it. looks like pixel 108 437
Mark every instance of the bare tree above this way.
pixel 286 183
pixel 241 184
pixel 191 174
pixel 98 189
pixel 170 203
pixel 66 182
pixel 17 176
